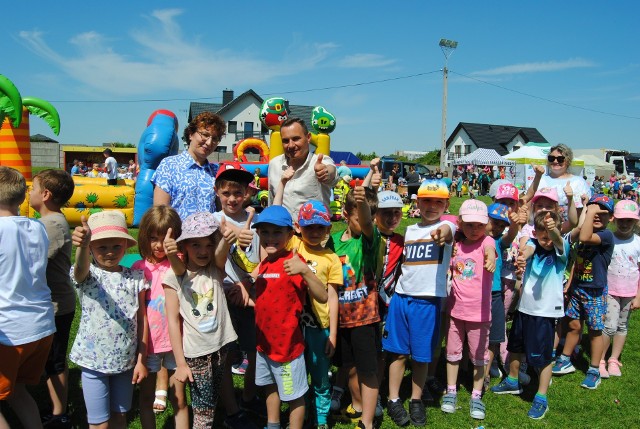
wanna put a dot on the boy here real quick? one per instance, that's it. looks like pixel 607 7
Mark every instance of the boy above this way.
pixel 540 305
pixel 110 167
pixel 282 282
pixel 587 294
pixel 50 190
pixel 414 313
pixel 27 323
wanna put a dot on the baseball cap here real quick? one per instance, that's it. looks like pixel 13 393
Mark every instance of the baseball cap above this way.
pixel 550 193
pixel 389 200
pixel 626 209
pixel 474 211
pixel 197 225
pixel 414 197
pixel 433 188
pixel 234 171
pixel 499 212
pixel 603 201
pixel 275 215
pixel 493 189
pixel 507 190
pixel 314 212
pixel 110 224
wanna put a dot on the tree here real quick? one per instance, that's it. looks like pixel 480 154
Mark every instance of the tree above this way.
pixel 365 156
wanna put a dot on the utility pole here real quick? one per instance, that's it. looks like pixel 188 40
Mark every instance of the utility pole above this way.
pixel 447 46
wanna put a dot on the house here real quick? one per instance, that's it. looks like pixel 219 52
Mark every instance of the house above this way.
pixel 242 115
pixel 504 139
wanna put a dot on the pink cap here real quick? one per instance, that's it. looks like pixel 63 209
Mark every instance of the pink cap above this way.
pixel 474 211
pixel 507 190
pixel 550 193
pixel 626 209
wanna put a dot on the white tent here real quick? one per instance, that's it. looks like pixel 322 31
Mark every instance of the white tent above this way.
pixel 483 157
pixel 594 166
pixel 536 153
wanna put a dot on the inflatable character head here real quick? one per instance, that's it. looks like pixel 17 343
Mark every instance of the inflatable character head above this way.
pixel 322 120
pixel 273 112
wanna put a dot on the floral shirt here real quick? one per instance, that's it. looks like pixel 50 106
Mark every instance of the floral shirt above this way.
pixel 108 333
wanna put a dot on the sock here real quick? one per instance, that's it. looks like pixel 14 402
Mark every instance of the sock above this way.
pixel 565 357
pixel 273 425
pixel 476 394
pixel 595 368
pixel 553 354
pixel 452 389
pixel 394 400
pixel 511 380
pixel 542 397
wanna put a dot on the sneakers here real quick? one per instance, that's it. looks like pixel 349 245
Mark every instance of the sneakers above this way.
pixel 614 367
pixel 379 409
pixel 336 398
pixel 61 421
pixel 397 413
pixel 241 368
pixel 449 403
pixel 323 426
pixel 417 413
pixel 505 387
pixel 239 421
pixel 538 409
pixel 602 368
pixel 255 406
pixel 592 379
pixel 562 366
pixel 350 414
pixel 494 369
pixel 477 409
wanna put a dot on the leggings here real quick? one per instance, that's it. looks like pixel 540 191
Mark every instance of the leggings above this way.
pixel 207 376
pixel 615 322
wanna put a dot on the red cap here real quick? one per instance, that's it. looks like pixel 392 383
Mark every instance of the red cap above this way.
pixel 234 171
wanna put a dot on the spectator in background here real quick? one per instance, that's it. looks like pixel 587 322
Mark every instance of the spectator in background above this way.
pixel 111 167
pixel 598 185
pixel 132 169
pixel 343 170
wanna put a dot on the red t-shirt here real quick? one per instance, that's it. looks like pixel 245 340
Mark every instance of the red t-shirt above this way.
pixel 279 302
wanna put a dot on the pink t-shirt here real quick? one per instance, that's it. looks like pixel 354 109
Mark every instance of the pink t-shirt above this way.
pixel 623 275
pixel 470 297
pixel 154 299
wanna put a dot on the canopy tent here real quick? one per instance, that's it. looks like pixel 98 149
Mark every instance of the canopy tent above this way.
pixel 483 157
pixel 594 166
pixel 536 153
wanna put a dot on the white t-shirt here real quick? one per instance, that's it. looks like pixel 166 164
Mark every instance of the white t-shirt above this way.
pixel 112 168
pixel 425 266
pixel 578 184
pixel 237 267
pixel 623 276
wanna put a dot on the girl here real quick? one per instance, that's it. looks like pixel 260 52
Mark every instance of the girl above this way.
pixel 469 304
pixel 199 321
pixel 158 249
pixel 110 346
pixel 622 282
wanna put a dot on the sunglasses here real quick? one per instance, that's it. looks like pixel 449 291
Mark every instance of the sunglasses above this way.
pixel 559 158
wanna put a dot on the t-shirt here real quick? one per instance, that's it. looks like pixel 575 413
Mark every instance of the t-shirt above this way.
pixel 206 323
pixel 509 256
pixel 238 266
pixel 62 293
pixel 592 262
pixel 388 252
pixel 358 296
pixel 327 267
pixel 623 275
pixel 578 184
pixel 542 286
pixel 425 265
pixel 26 311
pixel 155 301
pixel 107 337
pixel 112 168
pixel 279 302
pixel 470 297
pixel 496 284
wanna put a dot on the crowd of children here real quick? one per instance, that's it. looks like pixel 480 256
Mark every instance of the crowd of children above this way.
pixel 295 299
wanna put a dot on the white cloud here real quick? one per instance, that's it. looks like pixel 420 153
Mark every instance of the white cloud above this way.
pixel 365 61
pixel 539 67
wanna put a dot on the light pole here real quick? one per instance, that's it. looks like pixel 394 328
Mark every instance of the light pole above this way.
pixel 447 47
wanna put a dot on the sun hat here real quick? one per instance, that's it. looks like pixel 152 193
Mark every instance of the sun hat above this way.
pixel 234 171
pixel 275 215
pixel 110 224
pixel 314 212
pixel 198 225
pixel 626 209
pixel 499 212
pixel 603 201
pixel 474 211
pixel 389 200
pixel 507 190
pixel 550 193
pixel 433 188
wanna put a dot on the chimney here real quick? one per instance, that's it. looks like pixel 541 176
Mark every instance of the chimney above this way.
pixel 227 96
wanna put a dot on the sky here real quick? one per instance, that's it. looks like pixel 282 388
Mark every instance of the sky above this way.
pixel 570 69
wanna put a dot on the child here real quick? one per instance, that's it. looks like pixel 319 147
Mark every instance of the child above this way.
pixel 158 249
pixel 414 312
pixel 50 190
pixel 469 304
pixel 622 284
pixel 110 346
pixel 541 303
pixel 199 321
pixel 414 211
pixel 95 171
pixel 587 294
pixel 27 323
pixel 281 285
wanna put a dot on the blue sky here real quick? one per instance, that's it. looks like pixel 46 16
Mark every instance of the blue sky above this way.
pixel 571 69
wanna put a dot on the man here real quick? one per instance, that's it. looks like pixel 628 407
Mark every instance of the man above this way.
pixel 315 175
pixel 111 167
pixel 343 170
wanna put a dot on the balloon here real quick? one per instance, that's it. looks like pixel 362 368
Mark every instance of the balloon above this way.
pixel 322 120
pixel 274 112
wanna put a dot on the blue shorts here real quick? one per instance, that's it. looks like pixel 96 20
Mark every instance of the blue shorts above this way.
pixel 412 327
pixel 589 304
pixel 106 393
pixel 533 336
pixel 289 377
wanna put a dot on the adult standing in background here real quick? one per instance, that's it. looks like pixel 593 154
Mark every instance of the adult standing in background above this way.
pixel 111 167
pixel 185 181
pixel 343 170
pixel 315 174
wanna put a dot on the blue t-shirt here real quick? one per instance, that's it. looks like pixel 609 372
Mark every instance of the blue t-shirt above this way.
pixel 592 262
pixel 497 277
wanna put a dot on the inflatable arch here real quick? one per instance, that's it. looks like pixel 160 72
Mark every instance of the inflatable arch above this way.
pixel 243 145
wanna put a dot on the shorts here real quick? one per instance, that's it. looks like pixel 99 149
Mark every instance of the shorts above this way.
pixel 57 360
pixel 496 333
pixel 244 323
pixel 155 361
pixel 477 336
pixel 112 182
pixel 22 364
pixel 412 327
pixel 356 346
pixel 106 393
pixel 589 304
pixel 290 377
pixel 533 336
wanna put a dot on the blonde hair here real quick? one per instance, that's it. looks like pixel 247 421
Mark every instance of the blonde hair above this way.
pixel 13 187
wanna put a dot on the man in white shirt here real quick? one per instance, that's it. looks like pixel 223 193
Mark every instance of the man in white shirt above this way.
pixel 111 167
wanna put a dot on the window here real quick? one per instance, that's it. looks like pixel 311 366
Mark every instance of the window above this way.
pixel 232 127
pixel 467 149
pixel 222 149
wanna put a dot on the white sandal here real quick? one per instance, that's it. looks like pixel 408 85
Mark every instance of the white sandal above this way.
pixel 160 402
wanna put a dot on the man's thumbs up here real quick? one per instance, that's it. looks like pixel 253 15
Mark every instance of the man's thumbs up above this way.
pixel 321 170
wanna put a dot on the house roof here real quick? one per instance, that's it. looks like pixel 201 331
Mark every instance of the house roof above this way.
pixel 42 138
pixel 496 137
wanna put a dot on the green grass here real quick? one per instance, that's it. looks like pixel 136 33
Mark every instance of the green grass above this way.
pixel 613 405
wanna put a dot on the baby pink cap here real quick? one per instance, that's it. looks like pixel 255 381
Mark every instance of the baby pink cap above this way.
pixel 626 209
pixel 550 193
pixel 507 190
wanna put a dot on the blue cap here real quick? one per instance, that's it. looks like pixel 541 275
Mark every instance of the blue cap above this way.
pixel 314 212
pixel 603 201
pixel 275 215
pixel 499 212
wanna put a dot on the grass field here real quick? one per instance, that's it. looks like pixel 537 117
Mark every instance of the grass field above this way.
pixel 614 404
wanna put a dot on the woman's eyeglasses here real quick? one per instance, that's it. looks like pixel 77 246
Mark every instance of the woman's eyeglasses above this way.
pixel 559 158
pixel 206 136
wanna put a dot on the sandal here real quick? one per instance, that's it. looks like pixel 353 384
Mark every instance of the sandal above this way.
pixel 159 405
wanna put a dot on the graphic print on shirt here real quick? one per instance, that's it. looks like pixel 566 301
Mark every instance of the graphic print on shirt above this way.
pixel 584 266
pixel 204 310
pixel 422 252
pixel 350 292
pixel 307 318
pixel 464 269
pixel 157 304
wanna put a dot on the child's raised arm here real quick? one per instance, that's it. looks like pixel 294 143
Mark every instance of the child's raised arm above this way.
pixel 286 176
pixel 171 250
pixel 554 233
pixel 81 238
pixel 539 171
pixel 572 211
pixel 295 265
pixel 364 212
pixel 442 235
pixel 373 177
pixel 587 235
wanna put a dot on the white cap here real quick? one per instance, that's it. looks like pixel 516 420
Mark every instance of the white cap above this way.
pixel 389 200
